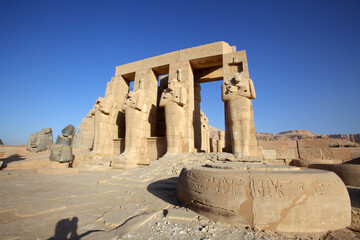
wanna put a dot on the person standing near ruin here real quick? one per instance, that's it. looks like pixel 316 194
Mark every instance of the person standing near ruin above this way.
pixel 238 93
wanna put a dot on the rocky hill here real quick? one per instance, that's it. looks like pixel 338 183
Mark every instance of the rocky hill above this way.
pixel 347 139
pixel 305 134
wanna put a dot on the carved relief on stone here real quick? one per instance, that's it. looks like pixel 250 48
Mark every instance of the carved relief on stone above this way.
pixel 173 99
pixel 238 92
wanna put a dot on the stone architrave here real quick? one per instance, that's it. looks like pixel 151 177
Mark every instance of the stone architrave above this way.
pixel 40 141
pixel 238 93
pixel 133 105
pixel 173 99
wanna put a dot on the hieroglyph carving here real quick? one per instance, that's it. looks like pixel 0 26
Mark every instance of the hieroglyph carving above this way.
pixel 238 92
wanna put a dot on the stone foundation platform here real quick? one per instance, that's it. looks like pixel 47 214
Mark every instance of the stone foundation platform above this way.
pixel 269 197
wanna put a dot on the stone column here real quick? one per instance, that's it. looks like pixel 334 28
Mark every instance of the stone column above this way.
pixel 139 120
pixel 238 91
pixel 187 80
pixel 101 125
pixel 197 116
pixel 133 105
pixel 208 139
pixel 221 141
pixel 148 113
pixel 118 90
pixel 174 99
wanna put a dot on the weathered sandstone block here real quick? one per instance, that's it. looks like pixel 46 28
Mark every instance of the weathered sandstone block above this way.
pixel 277 198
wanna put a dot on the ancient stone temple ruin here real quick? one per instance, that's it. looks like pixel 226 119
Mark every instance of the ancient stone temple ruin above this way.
pixel 151 110
pixel 161 115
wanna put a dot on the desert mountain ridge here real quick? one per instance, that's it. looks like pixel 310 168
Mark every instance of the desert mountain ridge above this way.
pixel 295 135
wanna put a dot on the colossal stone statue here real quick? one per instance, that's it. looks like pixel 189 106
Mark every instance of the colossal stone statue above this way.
pixel 101 111
pixel 173 99
pixel 238 93
pixel 133 104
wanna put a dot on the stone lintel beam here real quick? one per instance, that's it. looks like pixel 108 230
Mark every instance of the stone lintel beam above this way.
pixel 161 61
pixel 209 74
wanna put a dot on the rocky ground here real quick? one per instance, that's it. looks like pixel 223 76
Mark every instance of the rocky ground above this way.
pixel 105 204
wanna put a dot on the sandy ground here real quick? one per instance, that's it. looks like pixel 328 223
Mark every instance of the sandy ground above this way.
pixel 105 204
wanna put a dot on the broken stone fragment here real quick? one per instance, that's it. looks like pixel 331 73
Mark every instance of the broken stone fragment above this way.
pixel 69 131
pixel 62 140
pixel 40 141
pixel 62 151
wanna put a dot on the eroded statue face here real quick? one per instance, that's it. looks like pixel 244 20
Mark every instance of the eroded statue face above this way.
pixel 130 94
pixel 173 84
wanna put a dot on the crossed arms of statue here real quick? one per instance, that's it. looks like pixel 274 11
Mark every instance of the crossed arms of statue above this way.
pixel 176 94
pixel 237 87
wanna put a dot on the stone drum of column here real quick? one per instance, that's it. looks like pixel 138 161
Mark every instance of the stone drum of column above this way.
pixel 269 197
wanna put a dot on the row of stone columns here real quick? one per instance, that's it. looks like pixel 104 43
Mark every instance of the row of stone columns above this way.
pixel 131 111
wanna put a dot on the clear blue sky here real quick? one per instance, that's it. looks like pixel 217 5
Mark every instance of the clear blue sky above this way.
pixel 57 56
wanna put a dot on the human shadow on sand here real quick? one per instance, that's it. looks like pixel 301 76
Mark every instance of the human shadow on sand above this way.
pixel 66 229
pixel 12 158
pixel 165 189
